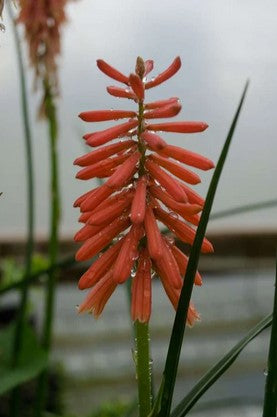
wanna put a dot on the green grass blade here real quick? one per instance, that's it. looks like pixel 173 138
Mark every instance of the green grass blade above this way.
pixel 178 330
pixel 270 398
pixel 243 209
pixel 218 369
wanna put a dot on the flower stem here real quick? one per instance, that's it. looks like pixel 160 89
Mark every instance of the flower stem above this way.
pixel 21 316
pixel 53 244
pixel 143 368
pixel 270 398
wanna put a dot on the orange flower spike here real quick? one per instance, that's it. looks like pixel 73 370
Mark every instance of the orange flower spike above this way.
pixel 124 172
pixel 141 289
pixel 121 92
pixel 130 196
pixel 171 186
pixel 101 167
pixel 153 234
pixel 161 112
pixel 98 242
pixel 127 254
pixel 187 157
pixel 104 136
pixel 105 115
pixel 104 152
pixel 111 72
pixel 165 75
pixel 179 127
pixel 111 212
pixel 139 201
pixel 155 142
pixel 176 169
pixel 161 103
pixel 137 86
pixel 99 295
pixel 100 266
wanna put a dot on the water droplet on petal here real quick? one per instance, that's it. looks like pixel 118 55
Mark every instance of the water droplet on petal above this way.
pixel 2 27
pixel 265 372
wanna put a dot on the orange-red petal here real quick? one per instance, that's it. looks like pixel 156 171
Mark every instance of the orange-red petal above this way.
pixel 124 172
pixel 165 75
pixel 154 238
pixel 187 157
pixel 141 289
pixel 154 141
pixel 105 115
pixel 99 295
pixel 139 201
pixel 98 242
pixel 179 127
pixel 176 169
pixel 108 214
pixel 137 86
pixel 102 153
pixel 104 136
pixel 169 183
pixel 161 103
pixel 121 92
pixel 101 168
pixel 167 111
pixel 100 267
pixel 92 201
pixel 127 254
pixel 111 71
pixel 184 232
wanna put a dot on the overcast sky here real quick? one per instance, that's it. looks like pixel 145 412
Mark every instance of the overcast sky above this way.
pixel 221 44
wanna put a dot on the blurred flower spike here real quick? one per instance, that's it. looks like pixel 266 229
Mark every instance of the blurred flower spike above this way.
pixel 42 20
pixel 147 183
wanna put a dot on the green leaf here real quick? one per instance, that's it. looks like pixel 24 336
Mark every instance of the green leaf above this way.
pixel 270 398
pixel 175 344
pixel 218 369
pixel 31 362
pixel 243 209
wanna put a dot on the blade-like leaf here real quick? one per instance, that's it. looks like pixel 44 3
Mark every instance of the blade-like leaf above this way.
pixel 31 362
pixel 270 398
pixel 243 209
pixel 178 330
pixel 218 369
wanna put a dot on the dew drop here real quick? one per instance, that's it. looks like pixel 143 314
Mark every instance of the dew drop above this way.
pixel 2 27
pixel 265 372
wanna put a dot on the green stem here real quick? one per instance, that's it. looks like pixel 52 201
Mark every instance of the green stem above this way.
pixel 270 398
pixel 143 368
pixel 21 316
pixel 53 244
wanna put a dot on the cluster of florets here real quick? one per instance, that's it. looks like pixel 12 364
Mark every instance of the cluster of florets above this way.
pixel 146 184
pixel 42 20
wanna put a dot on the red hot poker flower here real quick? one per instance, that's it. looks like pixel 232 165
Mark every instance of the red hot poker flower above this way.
pixel 121 216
